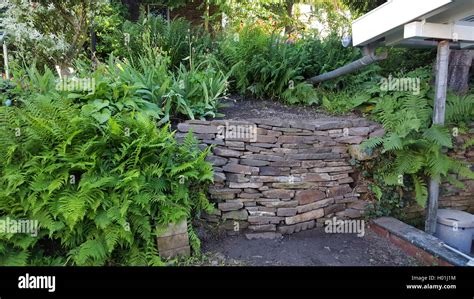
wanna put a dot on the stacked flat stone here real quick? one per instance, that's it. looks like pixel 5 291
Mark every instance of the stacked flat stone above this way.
pixel 292 176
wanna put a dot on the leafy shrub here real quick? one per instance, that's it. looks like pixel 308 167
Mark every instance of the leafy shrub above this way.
pixel 413 144
pixel 406 60
pixel 146 84
pixel 197 90
pixel 97 190
pixel 264 65
pixel 177 38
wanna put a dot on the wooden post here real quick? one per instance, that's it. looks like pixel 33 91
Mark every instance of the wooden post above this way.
pixel 442 67
pixel 5 60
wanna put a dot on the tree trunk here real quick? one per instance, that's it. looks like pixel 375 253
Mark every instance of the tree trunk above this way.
pixel 460 63
pixel 133 7
pixel 289 12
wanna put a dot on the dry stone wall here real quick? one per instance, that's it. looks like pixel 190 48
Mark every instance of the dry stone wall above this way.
pixel 276 177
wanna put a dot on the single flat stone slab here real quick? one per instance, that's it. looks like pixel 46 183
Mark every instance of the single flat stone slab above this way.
pixel 420 239
pixel 200 129
pixel 312 215
pixel 230 205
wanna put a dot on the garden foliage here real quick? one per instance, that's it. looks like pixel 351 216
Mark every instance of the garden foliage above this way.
pixel 97 182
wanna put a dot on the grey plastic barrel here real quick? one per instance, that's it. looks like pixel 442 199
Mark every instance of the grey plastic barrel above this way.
pixel 455 228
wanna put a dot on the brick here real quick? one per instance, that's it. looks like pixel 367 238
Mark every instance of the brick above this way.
pixel 245 185
pixel 266 139
pixel 213 142
pixel 284 212
pixel 261 131
pixel 295 185
pixel 253 149
pixel 270 122
pixel 250 195
pixel 279 204
pixel 285 150
pixel 317 177
pixel 236 215
pixel 303 125
pixel 251 162
pixel 219 177
pixel 290 229
pixel 173 228
pixel 315 214
pixel 285 164
pixel 339 190
pixel 287 139
pixel 378 133
pixel 265 219
pixel 290 130
pixel 309 196
pixel 198 122
pixel 330 125
pixel 230 205
pixel 223 191
pixel 265 145
pixel 241 169
pixel 216 161
pixel 270 171
pixel 351 139
pixel 224 152
pixel 236 144
pixel 279 193
pixel 200 129
pixel 222 197
pixel 314 150
pixel 184 251
pixel 359 131
pixel 353 213
pixel 173 241
pixel 261 213
pixel 360 122
pixel 234 225
pixel 272 179
pixel 237 178
pixel 312 164
pixel 321 156
pixel 315 205
pixel 358 205
pixel 332 169
pixel 334 209
pixel 271 158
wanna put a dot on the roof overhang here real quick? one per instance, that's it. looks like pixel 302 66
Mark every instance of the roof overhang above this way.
pixel 419 23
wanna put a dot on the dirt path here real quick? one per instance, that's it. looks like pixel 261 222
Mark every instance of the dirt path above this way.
pixel 307 248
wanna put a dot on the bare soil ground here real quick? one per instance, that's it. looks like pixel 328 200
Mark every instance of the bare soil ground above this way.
pixel 241 108
pixel 307 248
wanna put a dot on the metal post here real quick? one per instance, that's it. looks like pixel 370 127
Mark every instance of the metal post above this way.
pixel 442 65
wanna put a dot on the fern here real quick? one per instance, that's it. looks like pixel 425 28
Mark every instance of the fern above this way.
pixel 412 145
pixel 97 193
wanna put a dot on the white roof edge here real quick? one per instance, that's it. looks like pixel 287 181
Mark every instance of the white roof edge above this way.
pixel 390 16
